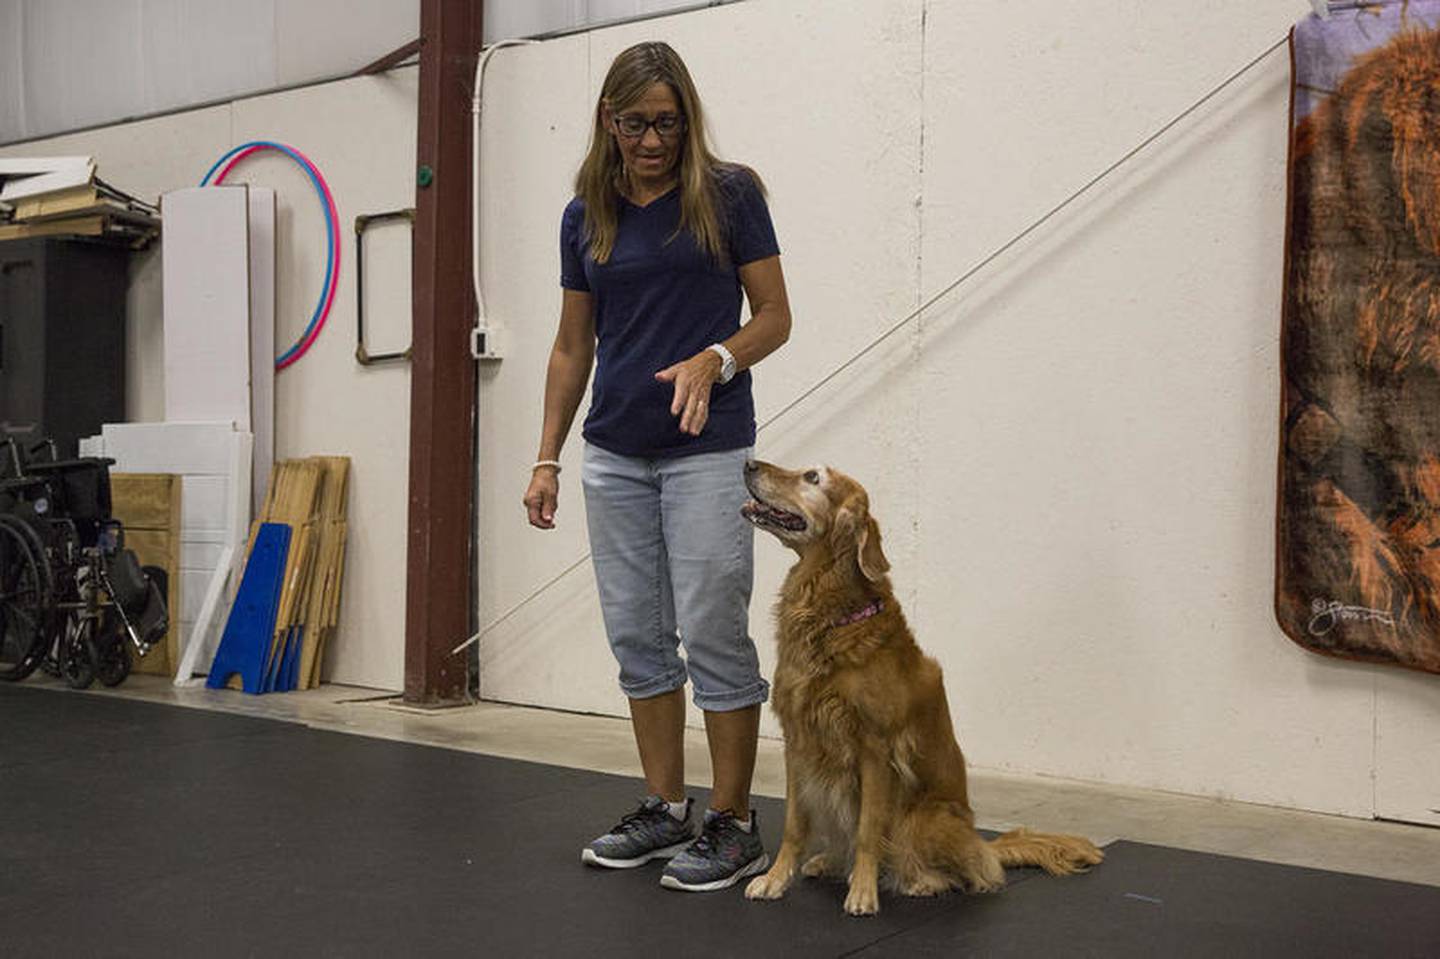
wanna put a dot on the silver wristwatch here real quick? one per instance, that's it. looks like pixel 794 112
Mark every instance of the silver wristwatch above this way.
pixel 727 362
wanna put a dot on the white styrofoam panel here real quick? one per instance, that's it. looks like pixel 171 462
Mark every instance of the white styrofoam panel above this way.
pixel 204 505
pixel 207 304
pixel 192 593
pixel 262 340
pixel 201 552
pixel 194 448
pixel 144 332
pixel 207 624
pixel 361 134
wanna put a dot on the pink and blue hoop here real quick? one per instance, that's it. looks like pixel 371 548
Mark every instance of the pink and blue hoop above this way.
pixel 332 236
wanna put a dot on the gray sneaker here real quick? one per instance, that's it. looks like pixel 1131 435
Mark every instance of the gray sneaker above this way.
pixel 650 832
pixel 722 856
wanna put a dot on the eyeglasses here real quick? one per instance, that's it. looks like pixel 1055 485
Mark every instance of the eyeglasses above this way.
pixel 633 126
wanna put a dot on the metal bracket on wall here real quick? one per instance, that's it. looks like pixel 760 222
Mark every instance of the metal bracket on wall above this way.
pixel 362 222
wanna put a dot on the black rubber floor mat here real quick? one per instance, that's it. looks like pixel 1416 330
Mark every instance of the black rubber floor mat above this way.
pixel 136 829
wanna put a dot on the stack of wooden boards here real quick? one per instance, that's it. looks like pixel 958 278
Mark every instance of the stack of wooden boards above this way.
pixel 288 604
pixel 68 199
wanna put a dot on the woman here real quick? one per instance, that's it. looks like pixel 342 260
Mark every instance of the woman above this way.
pixel 655 250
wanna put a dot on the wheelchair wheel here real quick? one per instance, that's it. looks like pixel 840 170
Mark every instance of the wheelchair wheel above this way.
pixel 112 664
pixel 78 655
pixel 26 595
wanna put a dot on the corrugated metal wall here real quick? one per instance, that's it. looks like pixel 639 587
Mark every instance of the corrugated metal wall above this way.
pixel 73 64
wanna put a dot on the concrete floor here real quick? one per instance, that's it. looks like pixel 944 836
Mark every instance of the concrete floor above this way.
pixel 1104 813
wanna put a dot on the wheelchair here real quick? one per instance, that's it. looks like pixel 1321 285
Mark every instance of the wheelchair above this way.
pixel 73 600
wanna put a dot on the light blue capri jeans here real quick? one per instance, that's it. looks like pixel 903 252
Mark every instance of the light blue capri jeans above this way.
pixel 675 560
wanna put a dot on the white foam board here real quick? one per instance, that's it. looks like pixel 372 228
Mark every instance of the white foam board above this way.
pixel 262 340
pixel 205 260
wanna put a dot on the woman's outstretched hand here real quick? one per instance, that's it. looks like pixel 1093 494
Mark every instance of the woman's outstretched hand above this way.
pixel 693 379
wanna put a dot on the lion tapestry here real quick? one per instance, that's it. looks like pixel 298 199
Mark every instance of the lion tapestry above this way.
pixel 1358 552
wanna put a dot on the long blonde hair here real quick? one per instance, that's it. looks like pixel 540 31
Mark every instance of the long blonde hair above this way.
pixel 601 179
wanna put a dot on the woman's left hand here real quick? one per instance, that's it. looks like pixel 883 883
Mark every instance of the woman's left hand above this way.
pixel 693 379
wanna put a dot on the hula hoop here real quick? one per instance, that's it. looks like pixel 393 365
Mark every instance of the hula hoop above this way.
pixel 332 236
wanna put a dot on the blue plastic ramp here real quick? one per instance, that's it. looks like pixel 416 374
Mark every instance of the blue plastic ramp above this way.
pixel 245 645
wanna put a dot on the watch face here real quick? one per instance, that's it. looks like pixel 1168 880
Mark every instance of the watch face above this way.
pixel 727 362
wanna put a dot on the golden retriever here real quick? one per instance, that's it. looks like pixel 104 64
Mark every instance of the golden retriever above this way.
pixel 874 779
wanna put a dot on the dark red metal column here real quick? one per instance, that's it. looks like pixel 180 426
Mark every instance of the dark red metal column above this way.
pixel 439 591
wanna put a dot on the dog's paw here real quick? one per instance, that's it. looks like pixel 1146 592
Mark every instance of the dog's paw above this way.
pixel 771 885
pixel 862 900
pixel 925 884
pixel 981 885
pixel 817 865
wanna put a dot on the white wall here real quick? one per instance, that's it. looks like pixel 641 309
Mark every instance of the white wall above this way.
pixel 361 134
pixel 1072 457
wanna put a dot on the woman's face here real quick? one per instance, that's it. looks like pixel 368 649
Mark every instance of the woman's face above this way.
pixel 651 158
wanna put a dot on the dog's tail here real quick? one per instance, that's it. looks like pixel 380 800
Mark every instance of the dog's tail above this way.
pixel 942 835
pixel 1056 853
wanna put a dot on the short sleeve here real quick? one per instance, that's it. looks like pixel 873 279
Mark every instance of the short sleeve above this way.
pixel 752 234
pixel 572 246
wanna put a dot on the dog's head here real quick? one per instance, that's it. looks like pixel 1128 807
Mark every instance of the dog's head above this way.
pixel 816 508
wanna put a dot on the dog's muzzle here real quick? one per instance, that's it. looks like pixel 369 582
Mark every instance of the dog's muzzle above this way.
pixel 766 516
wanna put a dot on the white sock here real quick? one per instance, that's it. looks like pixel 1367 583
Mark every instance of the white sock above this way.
pixel 745 824
pixel 677 809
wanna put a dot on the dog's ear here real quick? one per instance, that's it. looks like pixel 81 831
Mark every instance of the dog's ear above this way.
pixel 856 529
pixel 868 554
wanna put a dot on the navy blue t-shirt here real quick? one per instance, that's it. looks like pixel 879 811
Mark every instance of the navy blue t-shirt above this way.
pixel 658 300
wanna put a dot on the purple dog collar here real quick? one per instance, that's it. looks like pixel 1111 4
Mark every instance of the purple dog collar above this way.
pixel 861 614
